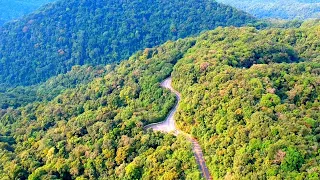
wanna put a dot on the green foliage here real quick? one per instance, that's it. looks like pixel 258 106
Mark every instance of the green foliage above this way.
pixel 252 100
pixel 22 95
pixel 270 100
pixel 95 130
pixel 250 97
pixel 293 160
pixel 311 122
pixel 67 33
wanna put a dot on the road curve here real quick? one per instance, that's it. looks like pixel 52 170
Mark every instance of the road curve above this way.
pixel 168 126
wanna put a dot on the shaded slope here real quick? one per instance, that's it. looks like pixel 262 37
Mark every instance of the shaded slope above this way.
pixel 68 33
pixel 46 91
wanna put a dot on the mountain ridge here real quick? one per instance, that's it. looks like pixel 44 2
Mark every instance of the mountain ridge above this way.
pixel 69 33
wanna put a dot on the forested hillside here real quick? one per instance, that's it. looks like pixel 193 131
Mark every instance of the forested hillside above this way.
pixel 72 32
pixel 250 97
pixel 96 130
pixel 15 9
pixel 22 95
pixel 284 9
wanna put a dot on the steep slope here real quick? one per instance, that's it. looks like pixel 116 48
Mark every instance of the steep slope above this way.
pixel 74 32
pixel 288 9
pixel 252 99
pixel 14 9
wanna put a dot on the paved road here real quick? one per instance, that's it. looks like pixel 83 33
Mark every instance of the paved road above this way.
pixel 168 126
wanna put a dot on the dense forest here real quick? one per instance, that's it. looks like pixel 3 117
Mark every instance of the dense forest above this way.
pixel 46 91
pixel 96 130
pixel 283 9
pixel 80 80
pixel 72 32
pixel 251 98
pixel 15 9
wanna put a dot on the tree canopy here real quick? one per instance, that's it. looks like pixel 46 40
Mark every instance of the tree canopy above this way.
pixel 72 32
pixel 251 98
pixel 95 131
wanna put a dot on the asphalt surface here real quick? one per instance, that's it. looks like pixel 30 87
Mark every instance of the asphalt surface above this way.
pixel 168 126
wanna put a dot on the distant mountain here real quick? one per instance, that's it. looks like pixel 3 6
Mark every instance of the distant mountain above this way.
pixel 73 32
pixel 14 9
pixel 284 9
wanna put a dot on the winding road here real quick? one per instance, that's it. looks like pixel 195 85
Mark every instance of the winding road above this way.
pixel 168 126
